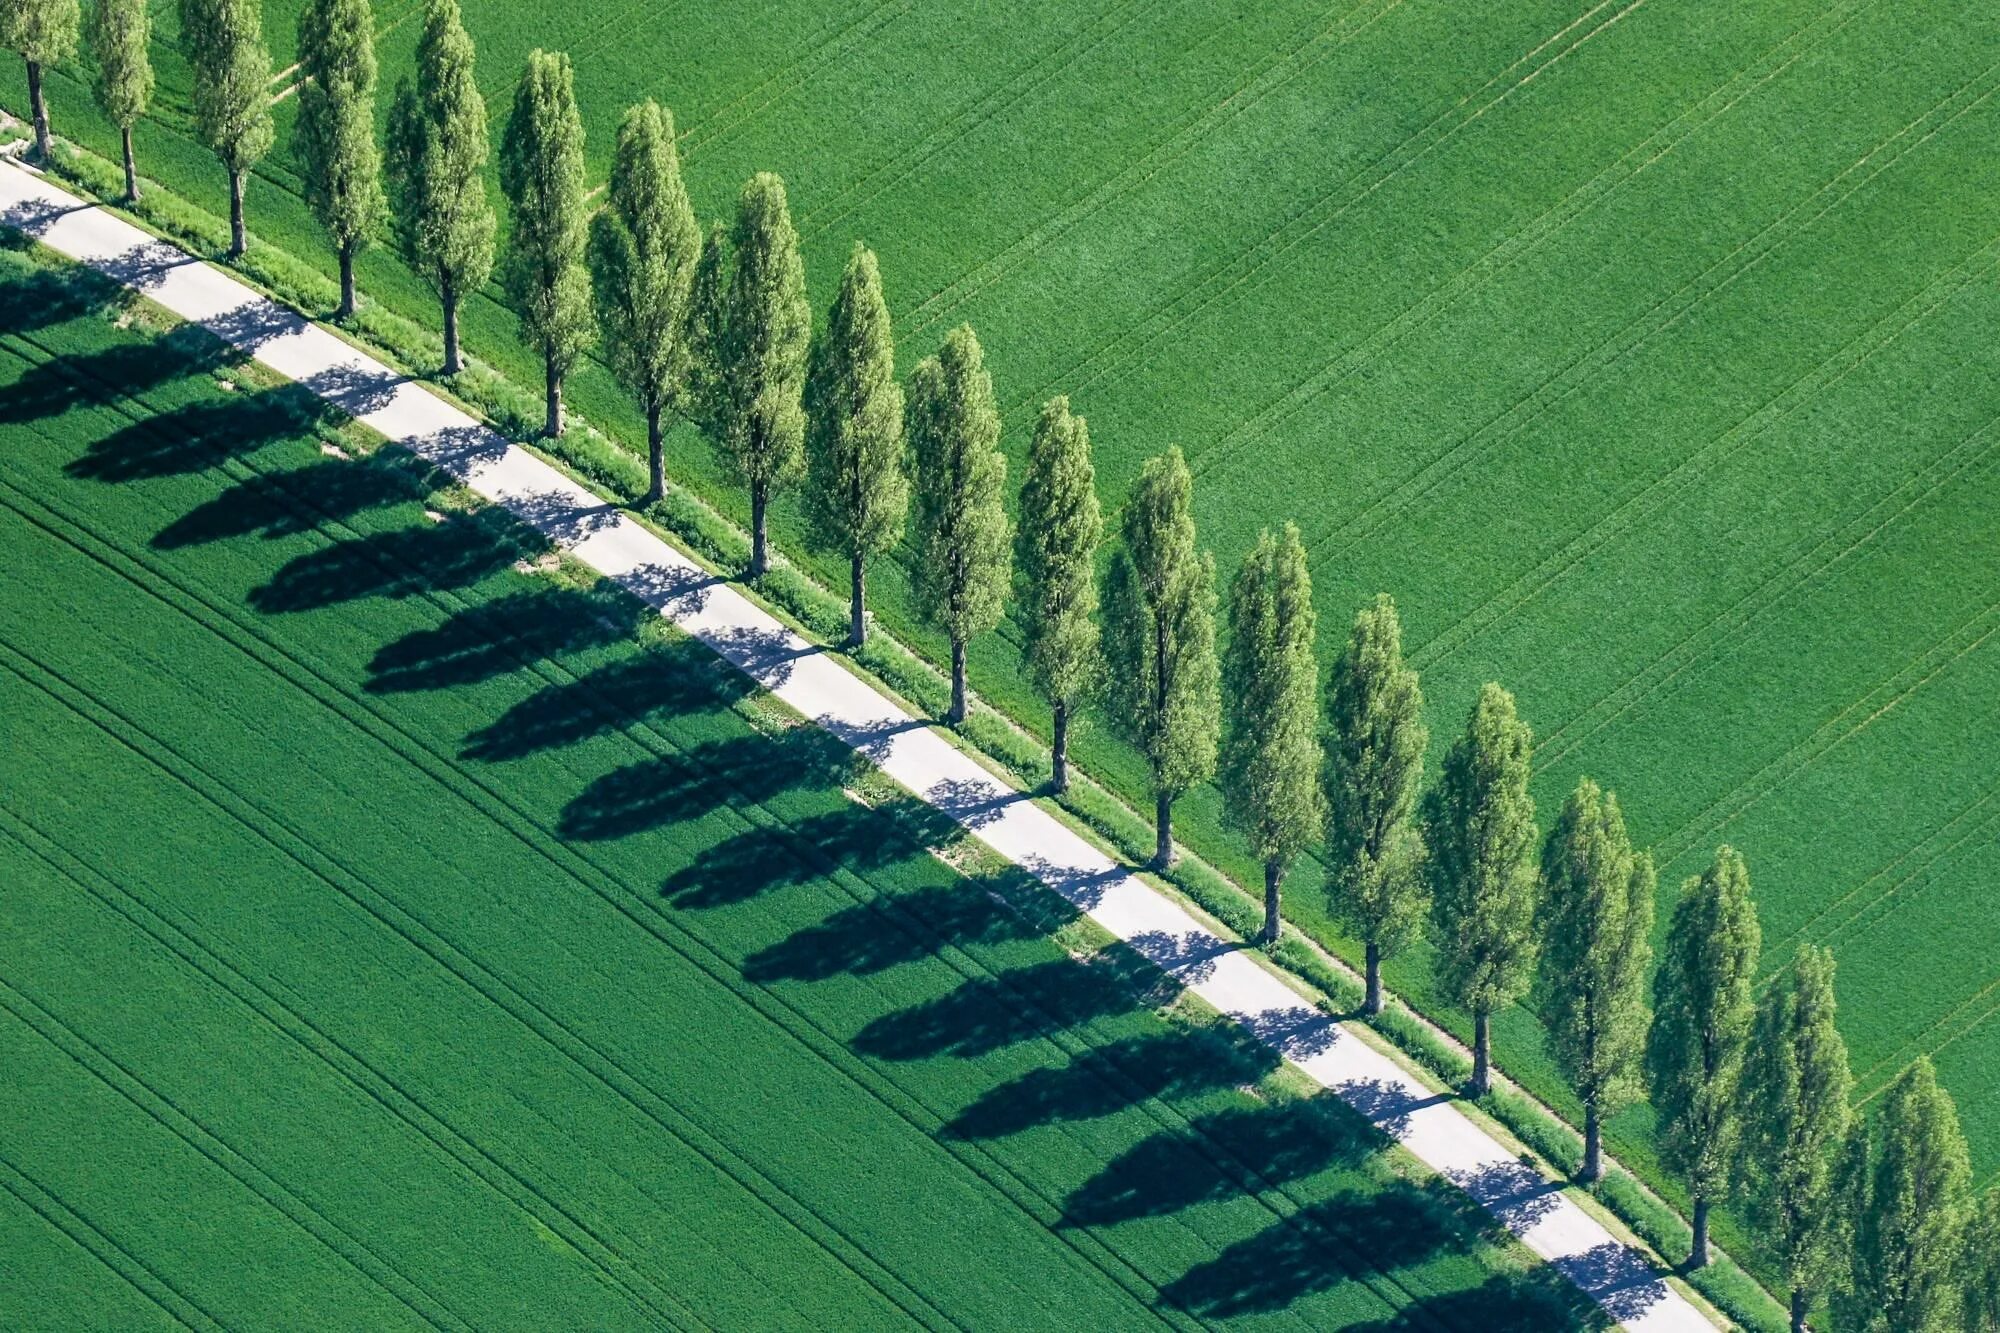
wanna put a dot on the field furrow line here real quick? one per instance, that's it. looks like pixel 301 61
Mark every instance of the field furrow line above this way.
pixel 1632 163
pixel 1807 567
pixel 616 1270
pixel 1273 75
pixel 80 1231
pixel 967 119
pixel 1656 320
pixel 1909 886
pixel 301 1213
pixel 1153 327
pixel 1984 1002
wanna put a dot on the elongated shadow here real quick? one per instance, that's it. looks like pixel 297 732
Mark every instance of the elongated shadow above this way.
pixel 52 387
pixel 286 503
pixel 1536 1302
pixel 865 938
pixel 759 861
pixel 48 297
pixel 502 635
pixel 986 1014
pixel 1104 1080
pixel 401 563
pixel 666 681
pixel 189 439
pixel 656 792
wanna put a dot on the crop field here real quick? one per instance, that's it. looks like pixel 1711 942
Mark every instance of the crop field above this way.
pixel 1640 348
pixel 396 936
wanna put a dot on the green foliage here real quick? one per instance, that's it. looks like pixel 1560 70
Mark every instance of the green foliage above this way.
pixel 960 479
pixel 1596 919
pixel 857 495
pixel 1374 766
pixel 437 158
pixel 1982 1267
pixel 1159 632
pixel 1797 1084
pixel 335 138
pixel 541 172
pixel 1702 1019
pixel 1480 834
pixel 123 78
pixel 763 340
pixel 1908 1253
pixel 645 245
pixel 41 31
pixel 223 41
pixel 1271 752
pixel 1061 526
pixel 700 396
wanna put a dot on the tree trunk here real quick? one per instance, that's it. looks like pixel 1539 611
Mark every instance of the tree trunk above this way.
pixel 1482 1054
pixel 656 456
pixel 131 167
pixel 1593 1148
pixel 1059 752
pixel 956 713
pixel 553 426
pixel 1274 874
pixel 1799 1309
pixel 346 310
pixel 857 601
pixel 449 294
pixel 760 559
pixel 1698 1251
pixel 239 237
pixel 41 111
pixel 1373 1003
pixel 1163 824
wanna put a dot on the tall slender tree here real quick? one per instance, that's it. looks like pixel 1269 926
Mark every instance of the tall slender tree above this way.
pixel 1982 1268
pixel 1271 751
pixel 541 170
pixel 1061 526
pixel 437 158
pixel 1796 1083
pixel 1479 828
pixel 699 396
pixel 763 343
pixel 1160 640
pixel 223 41
pixel 1597 917
pixel 961 475
pixel 1702 1018
pixel 336 129
pixel 43 32
pixel 644 249
pixel 1375 763
pixel 119 33
pixel 1908 1257
pixel 857 492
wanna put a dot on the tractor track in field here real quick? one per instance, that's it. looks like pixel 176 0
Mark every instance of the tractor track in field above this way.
pixel 1385 1284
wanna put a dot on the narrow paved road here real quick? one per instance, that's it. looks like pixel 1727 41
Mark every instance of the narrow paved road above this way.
pixel 1221 971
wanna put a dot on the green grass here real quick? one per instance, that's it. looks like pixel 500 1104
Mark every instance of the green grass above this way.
pixel 1639 350
pixel 397 938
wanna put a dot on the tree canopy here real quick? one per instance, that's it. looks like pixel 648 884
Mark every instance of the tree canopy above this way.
pixel 541 170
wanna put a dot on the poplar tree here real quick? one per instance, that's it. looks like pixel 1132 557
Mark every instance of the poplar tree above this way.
pixel 541 171
pixel 336 128
pixel 223 41
pixel 1908 1256
pixel 1375 762
pixel 1271 754
pixel 119 33
pixel 1982 1268
pixel 762 343
pixel 43 32
pixel 857 494
pixel 1061 526
pixel 1797 1084
pixel 1702 1019
pixel 1597 915
pixel 1160 640
pixel 437 156
pixel 644 249
pixel 1479 830
pixel 699 395
pixel 963 568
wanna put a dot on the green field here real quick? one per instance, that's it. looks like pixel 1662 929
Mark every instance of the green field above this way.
pixel 393 938
pixel 1641 349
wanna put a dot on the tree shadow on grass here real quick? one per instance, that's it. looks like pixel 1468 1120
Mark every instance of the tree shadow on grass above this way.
pixel 660 791
pixel 866 938
pixel 1319 1248
pixel 283 504
pixel 52 387
pixel 1538 1302
pixel 1221 1155
pixel 987 1014
pixel 760 860
pixel 667 680
pixel 189 439
pixel 43 298
pixel 399 563
pixel 502 635
pixel 1106 1079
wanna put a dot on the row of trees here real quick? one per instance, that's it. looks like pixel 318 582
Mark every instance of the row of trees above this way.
pixel 1752 1095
